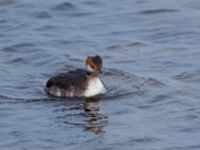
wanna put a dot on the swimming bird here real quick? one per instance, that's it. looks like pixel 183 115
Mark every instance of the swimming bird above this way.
pixel 80 82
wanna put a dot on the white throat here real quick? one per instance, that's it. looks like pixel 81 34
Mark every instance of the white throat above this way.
pixel 89 68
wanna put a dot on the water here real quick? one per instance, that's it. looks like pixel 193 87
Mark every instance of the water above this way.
pixel 151 59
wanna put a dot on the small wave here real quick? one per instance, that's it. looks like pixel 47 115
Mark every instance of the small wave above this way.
pixel 7 2
pixel 114 47
pixel 42 15
pixel 46 27
pixel 157 11
pixel 120 83
pixel 116 72
pixel 127 77
pixel 3 97
pixel 159 98
pixel 136 44
pixel 21 47
pixel 15 100
pixel 2 21
pixel 64 6
pixel 189 76
pixel 18 60
pixel 120 94
pixel 81 14
pixel 93 3
pixel 153 82
pixel 144 140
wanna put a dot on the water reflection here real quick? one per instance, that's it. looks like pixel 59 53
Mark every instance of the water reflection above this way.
pixel 86 115
pixel 96 121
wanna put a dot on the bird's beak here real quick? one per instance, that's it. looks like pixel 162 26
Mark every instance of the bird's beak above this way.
pixel 100 71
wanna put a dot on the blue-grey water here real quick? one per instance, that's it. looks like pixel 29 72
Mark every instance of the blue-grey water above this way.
pixel 151 53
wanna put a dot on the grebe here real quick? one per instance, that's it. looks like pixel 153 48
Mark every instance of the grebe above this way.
pixel 80 82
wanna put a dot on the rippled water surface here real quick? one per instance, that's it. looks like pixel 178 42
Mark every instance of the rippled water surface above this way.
pixel 151 53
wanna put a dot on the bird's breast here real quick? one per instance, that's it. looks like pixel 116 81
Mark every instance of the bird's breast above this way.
pixel 95 87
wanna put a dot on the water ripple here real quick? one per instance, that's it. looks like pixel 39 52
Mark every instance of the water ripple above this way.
pixel 158 11
pixel 21 47
pixel 65 6
pixel 7 2
pixel 42 15
pixel 151 61
pixel 189 76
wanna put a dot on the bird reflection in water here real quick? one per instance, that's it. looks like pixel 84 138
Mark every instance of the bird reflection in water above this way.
pixel 86 115
pixel 95 121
